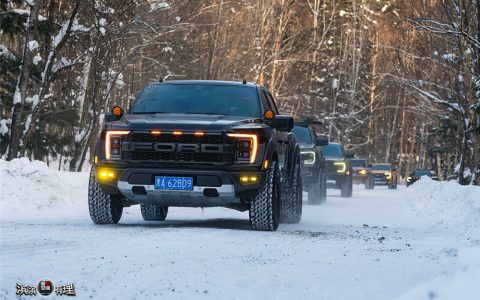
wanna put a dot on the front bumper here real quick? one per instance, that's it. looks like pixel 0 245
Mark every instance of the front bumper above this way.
pixel 309 175
pixel 211 187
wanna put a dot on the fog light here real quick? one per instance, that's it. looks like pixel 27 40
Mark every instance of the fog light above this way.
pixel 105 174
pixel 249 179
pixel 244 179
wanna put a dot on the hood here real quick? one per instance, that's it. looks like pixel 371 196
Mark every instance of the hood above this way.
pixel 305 147
pixel 180 122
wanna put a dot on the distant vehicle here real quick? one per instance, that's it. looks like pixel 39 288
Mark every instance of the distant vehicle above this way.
pixel 384 174
pixel 314 176
pixel 361 173
pixel 339 168
pixel 418 174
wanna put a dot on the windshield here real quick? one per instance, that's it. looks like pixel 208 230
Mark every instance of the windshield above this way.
pixel 229 100
pixel 302 134
pixel 382 167
pixel 359 163
pixel 332 150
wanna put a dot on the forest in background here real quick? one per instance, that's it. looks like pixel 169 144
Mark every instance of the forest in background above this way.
pixel 394 80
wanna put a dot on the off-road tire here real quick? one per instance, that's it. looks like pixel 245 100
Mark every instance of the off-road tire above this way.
pixel 346 187
pixel 314 194
pixel 265 207
pixel 369 183
pixel 392 186
pixel 104 208
pixel 153 212
pixel 292 200
pixel 323 186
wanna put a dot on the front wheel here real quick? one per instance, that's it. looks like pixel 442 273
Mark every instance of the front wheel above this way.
pixel 104 208
pixel 265 207
pixel 346 187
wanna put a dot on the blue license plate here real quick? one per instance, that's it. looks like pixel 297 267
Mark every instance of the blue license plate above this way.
pixel 173 183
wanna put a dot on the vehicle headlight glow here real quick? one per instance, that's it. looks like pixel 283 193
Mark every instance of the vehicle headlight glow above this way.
pixel 308 157
pixel 388 175
pixel 342 167
pixel 247 146
pixel 362 172
pixel 113 144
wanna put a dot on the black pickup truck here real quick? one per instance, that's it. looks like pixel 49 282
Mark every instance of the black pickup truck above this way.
pixel 198 144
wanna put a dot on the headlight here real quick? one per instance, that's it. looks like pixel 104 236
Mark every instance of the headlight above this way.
pixel 409 179
pixel 247 146
pixel 113 144
pixel 308 157
pixel 341 167
pixel 362 172
pixel 388 175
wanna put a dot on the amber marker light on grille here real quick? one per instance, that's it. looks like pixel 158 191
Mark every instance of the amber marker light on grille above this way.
pixel 199 133
pixel 107 140
pixel 254 139
pixel 155 132
pixel 177 133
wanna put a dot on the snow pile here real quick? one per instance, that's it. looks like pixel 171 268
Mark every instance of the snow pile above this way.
pixel 27 187
pixel 447 203
pixel 461 285
pixel 457 208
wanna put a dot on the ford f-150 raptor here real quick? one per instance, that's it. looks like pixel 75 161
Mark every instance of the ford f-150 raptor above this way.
pixel 195 143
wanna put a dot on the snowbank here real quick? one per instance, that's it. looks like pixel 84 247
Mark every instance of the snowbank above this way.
pixel 31 187
pixel 462 285
pixel 457 208
pixel 447 203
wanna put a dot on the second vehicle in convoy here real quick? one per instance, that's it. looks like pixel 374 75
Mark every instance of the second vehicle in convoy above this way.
pixel 314 176
pixel 198 144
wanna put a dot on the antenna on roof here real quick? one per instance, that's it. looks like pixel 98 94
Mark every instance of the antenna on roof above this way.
pixel 244 81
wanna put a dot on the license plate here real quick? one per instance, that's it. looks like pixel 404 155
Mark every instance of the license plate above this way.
pixel 173 183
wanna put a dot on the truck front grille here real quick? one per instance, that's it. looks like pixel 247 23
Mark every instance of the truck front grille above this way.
pixel 186 148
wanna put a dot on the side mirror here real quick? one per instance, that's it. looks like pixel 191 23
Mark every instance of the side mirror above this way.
pixel 282 123
pixel 321 140
pixel 349 155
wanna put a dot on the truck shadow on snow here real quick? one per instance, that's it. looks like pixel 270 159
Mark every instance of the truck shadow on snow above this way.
pixel 220 223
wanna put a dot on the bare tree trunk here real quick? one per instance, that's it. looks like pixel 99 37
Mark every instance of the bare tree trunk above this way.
pixel 213 47
pixel 22 84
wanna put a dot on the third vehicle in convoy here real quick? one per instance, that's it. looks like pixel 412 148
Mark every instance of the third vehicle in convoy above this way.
pixel 198 144
pixel 314 177
pixel 339 168
pixel 361 173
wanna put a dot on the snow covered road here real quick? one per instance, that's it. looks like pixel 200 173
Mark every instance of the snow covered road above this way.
pixel 370 246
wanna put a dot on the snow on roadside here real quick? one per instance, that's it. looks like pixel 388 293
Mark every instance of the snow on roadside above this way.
pixel 457 209
pixel 447 203
pixel 32 188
